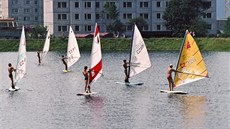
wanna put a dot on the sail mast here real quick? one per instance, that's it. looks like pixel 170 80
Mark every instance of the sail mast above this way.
pixel 131 51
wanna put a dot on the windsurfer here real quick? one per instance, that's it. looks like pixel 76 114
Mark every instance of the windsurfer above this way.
pixel 39 57
pixel 11 70
pixel 125 65
pixel 64 62
pixel 86 75
pixel 169 77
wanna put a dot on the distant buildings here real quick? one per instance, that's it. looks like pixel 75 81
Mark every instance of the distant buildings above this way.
pixel 82 14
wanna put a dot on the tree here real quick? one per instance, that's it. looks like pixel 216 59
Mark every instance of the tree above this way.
pixel 226 32
pixel 139 21
pixel 183 14
pixel 110 15
pixel 38 31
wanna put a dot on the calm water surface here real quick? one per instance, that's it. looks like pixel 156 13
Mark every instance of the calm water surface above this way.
pixel 47 99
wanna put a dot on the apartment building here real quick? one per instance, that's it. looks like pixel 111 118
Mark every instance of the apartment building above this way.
pixel 82 15
pixel 26 12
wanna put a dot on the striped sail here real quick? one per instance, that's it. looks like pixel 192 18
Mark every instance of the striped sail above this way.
pixel 21 61
pixel 190 63
pixel 46 46
pixel 96 57
pixel 139 57
pixel 73 53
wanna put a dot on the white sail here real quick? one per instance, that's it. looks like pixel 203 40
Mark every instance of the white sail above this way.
pixel 139 57
pixel 96 57
pixel 21 62
pixel 46 46
pixel 73 53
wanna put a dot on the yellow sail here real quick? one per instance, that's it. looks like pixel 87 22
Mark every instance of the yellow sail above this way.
pixel 190 65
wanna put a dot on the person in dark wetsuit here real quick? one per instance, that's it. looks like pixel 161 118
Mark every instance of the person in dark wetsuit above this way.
pixel 11 70
pixel 169 77
pixel 125 65
pixel 86 75
pixel 64 62
pixel 39 57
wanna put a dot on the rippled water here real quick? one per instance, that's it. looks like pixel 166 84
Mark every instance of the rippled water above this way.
pixel 47 99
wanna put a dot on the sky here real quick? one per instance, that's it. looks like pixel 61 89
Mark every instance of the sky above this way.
pixel 220 9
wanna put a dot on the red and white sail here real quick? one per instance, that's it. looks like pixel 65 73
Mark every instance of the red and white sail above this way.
pixel 96 57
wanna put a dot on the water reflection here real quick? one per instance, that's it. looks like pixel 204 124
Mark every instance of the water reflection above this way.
pixel 193 109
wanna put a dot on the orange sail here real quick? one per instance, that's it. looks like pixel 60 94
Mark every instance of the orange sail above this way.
pixel 190 65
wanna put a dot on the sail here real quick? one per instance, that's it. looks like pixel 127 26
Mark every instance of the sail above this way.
pixel 46 46
pixel 139 57
pixel 96 57
pixel 73 53
pixel 21 62
pixel 190 63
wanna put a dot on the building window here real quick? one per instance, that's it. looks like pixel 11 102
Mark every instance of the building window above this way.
pixel 62 5
pixel 97 4
pixel 127 4
pixel 209 15
pixel 77 5
pixel 35 10
pixel 158 27
pixel 87 4
pixel 129 28
pixel 144 15
pixel 26 10
pixel 87 16
pixel 36 18
pixel 14 10
pixel 88 28
pixel 62 16
pixel 209 26
pixel 207 4
pixel 158 4
pixel 77 17
pixel 158 15
pixel 144 4
pixel 145 27
pixel 166 3
pixel 62 28
pixel 110 3
pixel 77 28
pixel 35 2
pixel 15 2
pixel 26 18
pixel 127 16
pixel 97 16
pixel 27 1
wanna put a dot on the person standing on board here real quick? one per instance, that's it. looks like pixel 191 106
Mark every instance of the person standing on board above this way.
pixel 169 77
pixel 11 70
pixel 39 57
pixel 64 62
pixel 125 65
pixel 86 75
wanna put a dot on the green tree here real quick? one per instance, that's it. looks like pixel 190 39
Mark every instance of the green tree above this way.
pixel 38 31
pixel 110 17
pixel 226 32
pixel 183 14
pixel 139 21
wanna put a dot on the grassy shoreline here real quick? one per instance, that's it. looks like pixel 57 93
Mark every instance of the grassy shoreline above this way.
pixel 120 44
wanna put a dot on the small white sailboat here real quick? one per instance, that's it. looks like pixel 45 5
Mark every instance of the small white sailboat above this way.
pixel 73 53
pixel 139 58
pixel 46 46
pixel 96 60
pixel 21 61
pixel 190 64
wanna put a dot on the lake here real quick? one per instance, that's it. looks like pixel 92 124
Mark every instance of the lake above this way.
pixel 48 100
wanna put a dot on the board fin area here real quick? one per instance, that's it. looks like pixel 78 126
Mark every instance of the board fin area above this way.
pixel 15 89
pixel 86 94
pixel 129 83
pixel 173 92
